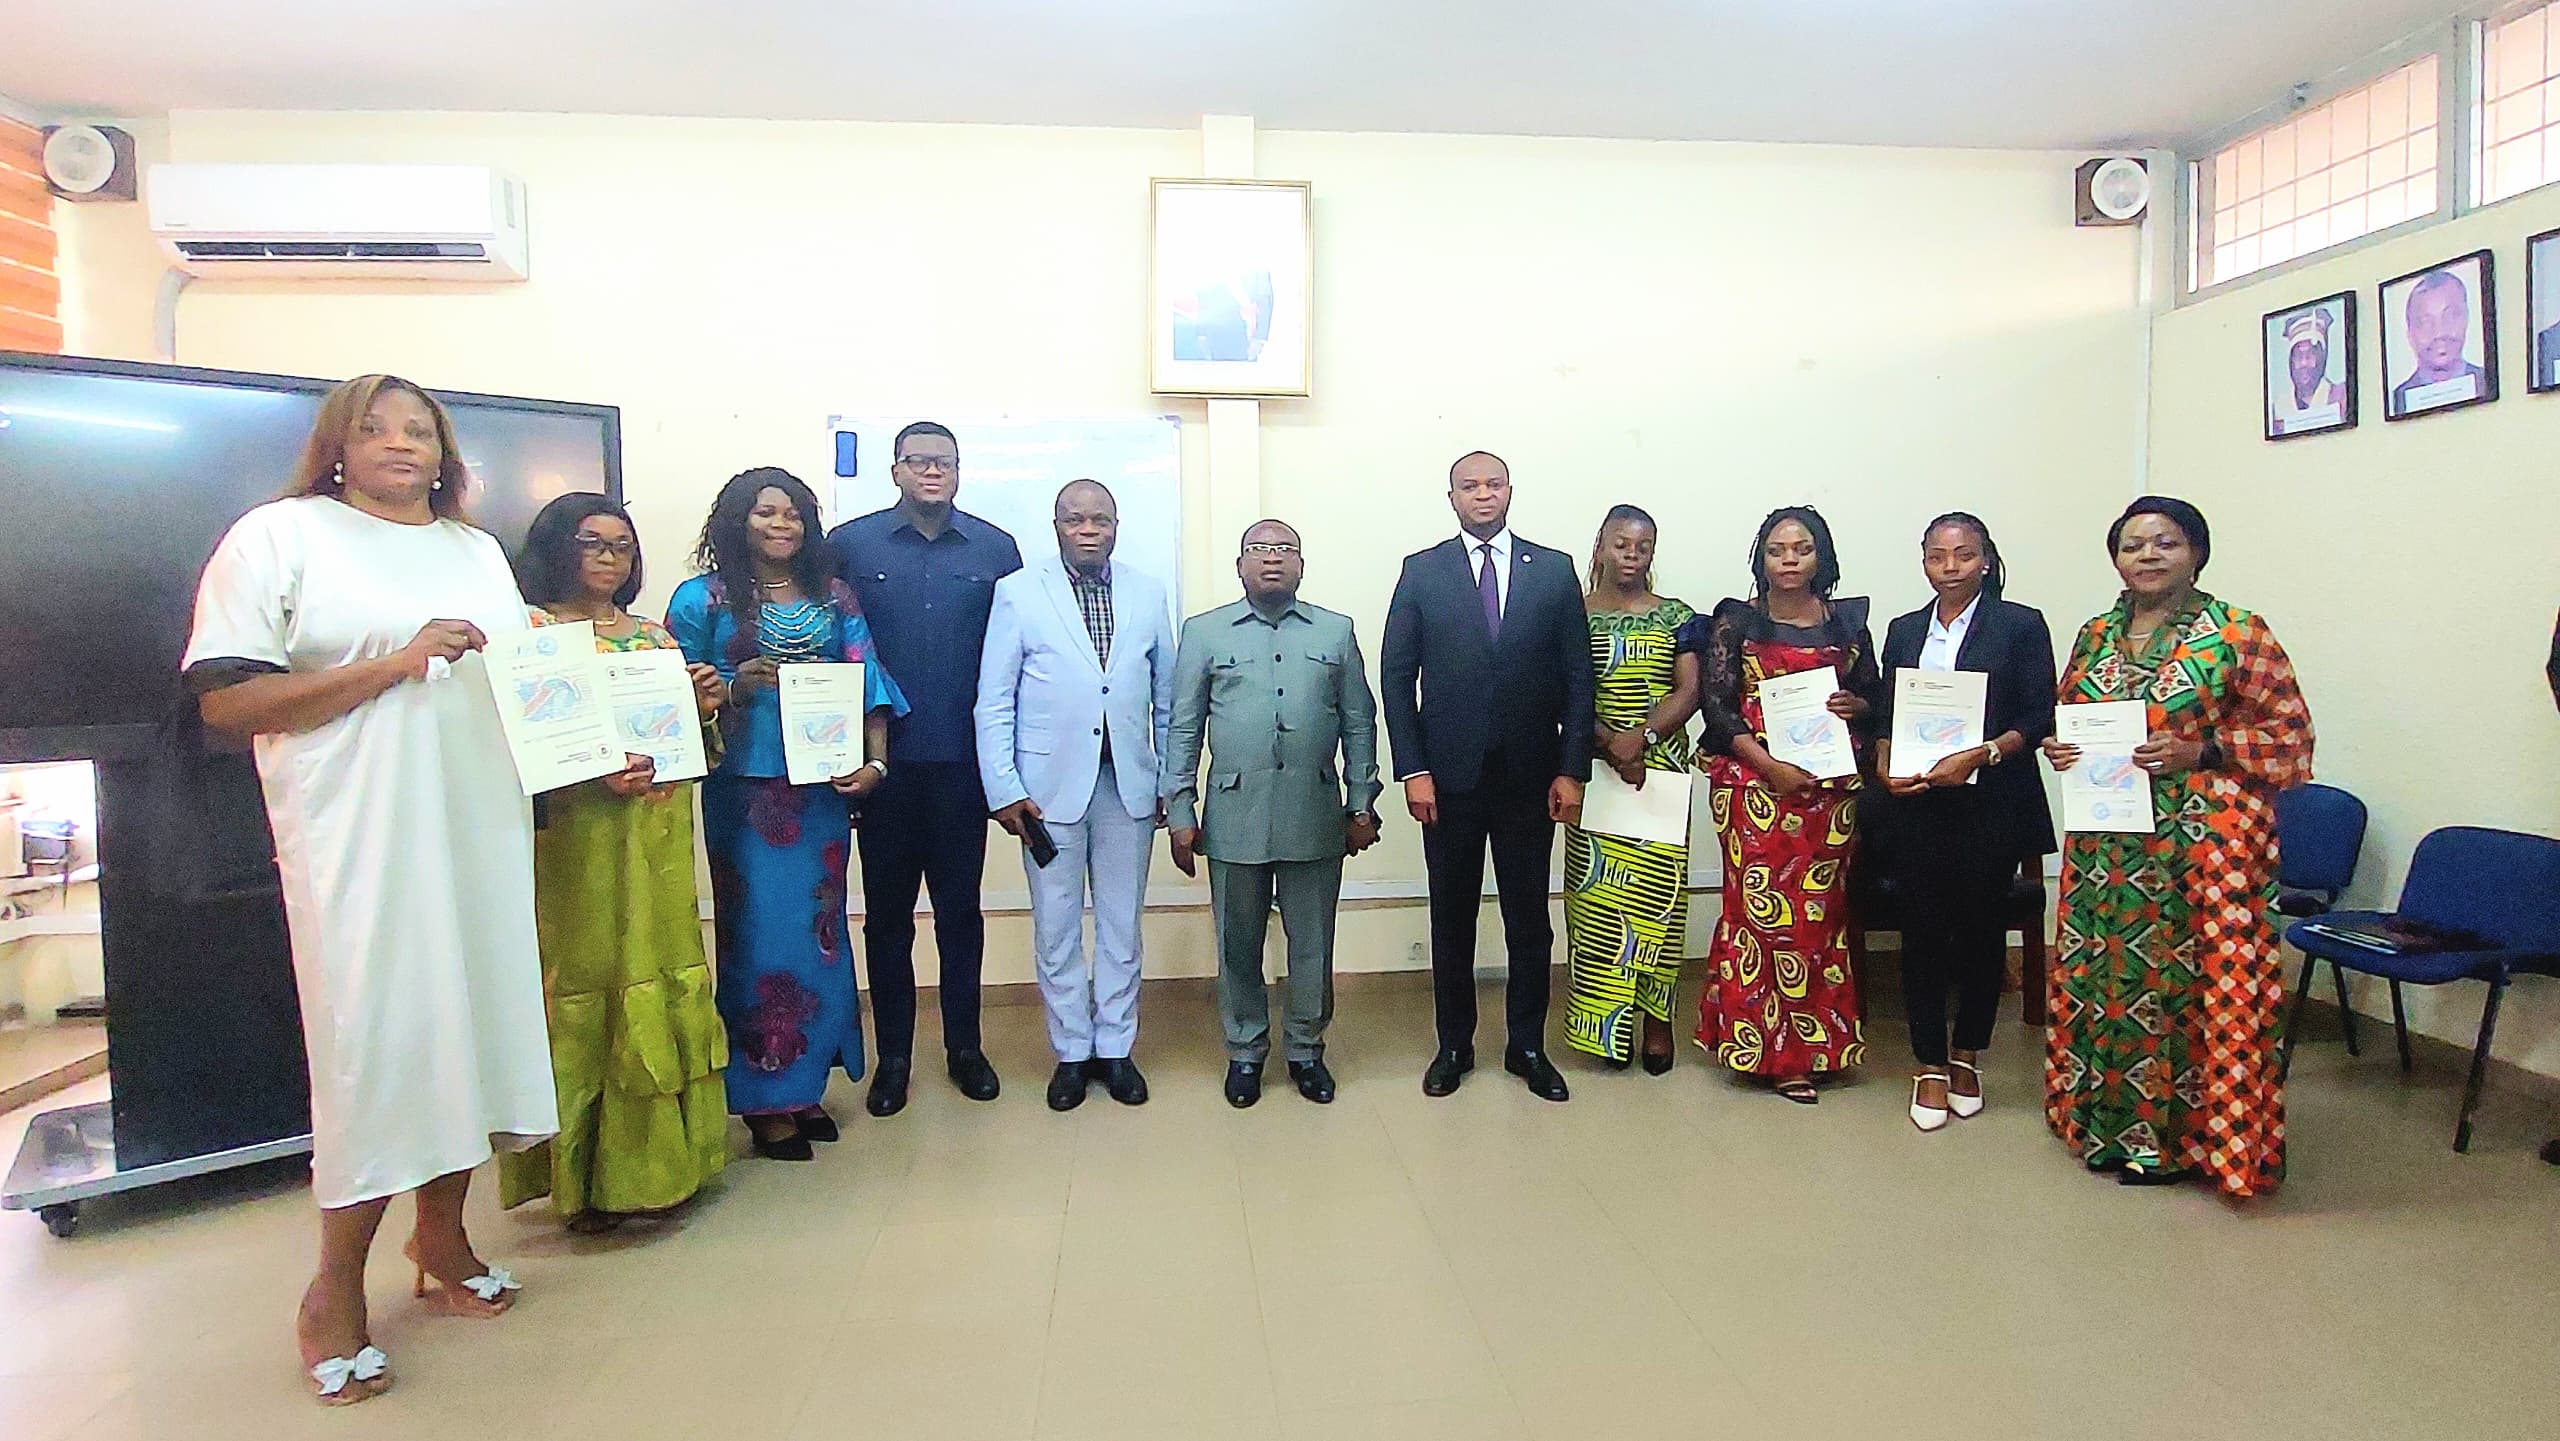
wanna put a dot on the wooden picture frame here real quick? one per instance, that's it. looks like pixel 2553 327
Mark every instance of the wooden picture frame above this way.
pixel 2419 379
pixel 2296 406
pixel 2542 313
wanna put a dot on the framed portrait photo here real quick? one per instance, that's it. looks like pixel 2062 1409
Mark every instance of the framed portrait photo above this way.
pixel 2440 338
pixel 2542 310
pixel 1230 288
pixel 2310 368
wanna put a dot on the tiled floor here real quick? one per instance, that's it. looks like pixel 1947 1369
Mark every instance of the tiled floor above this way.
pixel 1660 1258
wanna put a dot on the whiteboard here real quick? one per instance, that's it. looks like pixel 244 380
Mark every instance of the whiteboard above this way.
pixel 1011 470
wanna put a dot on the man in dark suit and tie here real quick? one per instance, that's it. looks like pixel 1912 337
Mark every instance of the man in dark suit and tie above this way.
pixel 1488 695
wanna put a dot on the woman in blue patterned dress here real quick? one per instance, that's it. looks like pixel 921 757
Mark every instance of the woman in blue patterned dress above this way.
pixel 766 598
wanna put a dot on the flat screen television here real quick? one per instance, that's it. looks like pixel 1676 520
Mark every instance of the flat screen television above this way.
pixel 117 479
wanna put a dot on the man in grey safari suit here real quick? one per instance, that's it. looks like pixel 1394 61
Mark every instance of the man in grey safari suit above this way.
pixel 1276 688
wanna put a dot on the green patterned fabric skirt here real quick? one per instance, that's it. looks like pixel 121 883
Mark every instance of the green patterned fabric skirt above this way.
pixel 1626 922
pixel 636 1041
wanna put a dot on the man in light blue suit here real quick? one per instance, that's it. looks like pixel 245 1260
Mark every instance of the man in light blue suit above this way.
pixel 1074 695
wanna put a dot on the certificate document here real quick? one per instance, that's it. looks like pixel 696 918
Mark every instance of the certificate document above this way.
pixel 1936 714
pixel 1801 729
pixel 2106 791
pixel 822 710
pixel 655 713
pixel 549 685
pixel 1658 813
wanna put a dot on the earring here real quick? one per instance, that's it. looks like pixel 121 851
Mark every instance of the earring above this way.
pixel 338 473
pixel 435 485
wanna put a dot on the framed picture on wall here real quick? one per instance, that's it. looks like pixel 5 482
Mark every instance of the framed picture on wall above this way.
pixel 2542 309
pixel 2440 338
pixel 2310 368
pixel 1230 288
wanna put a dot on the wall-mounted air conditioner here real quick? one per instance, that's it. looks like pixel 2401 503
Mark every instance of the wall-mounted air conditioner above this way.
pixel 441 222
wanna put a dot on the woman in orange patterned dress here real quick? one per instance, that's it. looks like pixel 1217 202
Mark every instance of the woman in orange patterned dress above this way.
pixel 1780 1003
pixel 2162 1062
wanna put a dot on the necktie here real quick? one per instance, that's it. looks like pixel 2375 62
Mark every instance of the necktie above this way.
pixel 1489 590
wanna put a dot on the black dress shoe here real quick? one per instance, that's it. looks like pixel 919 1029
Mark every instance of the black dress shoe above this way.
pixel 817 1125
pixel 1545 1082
pixel 1066 1088
pixel 1244 1083
pixel 1655 1065
pixel 2131 1177
pixel 1447 1069
pixel 794 1147
pixel 975 1078
pixel 1314 1081
pixel 889 1086
pixel 1122 1078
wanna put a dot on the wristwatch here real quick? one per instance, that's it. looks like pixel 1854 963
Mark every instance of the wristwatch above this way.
pixel 1652 737
pixel 1994 757
pixel 875 764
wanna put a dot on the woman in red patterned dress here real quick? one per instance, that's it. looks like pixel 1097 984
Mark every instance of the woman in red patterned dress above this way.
pixel 2161 1062
pixel 1780 1003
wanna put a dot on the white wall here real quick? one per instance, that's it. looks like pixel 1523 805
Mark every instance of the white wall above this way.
pixel 2411 571
pixel 1705 330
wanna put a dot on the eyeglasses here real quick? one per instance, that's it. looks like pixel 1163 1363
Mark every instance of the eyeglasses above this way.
pixel 598 545
pixel 1269 547
pixel 931 464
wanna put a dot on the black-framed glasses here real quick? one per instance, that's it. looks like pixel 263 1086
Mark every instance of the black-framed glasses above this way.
pixel 1269 547
pixel 931 464
pixel 595 545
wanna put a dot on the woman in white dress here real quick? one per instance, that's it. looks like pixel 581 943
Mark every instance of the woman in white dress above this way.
pixel 338 627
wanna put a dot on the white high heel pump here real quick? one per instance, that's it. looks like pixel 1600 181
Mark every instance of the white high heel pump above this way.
pixel 1964 1106
pixel 1927 1118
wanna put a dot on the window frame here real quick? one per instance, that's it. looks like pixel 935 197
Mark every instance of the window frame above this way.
pixel 2456 46
pixel 2476 111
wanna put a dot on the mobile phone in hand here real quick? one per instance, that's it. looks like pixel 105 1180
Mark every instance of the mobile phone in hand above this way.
pixel 1035 838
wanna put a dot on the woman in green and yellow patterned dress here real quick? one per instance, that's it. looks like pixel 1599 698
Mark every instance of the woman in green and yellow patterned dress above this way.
pixel 636 1040
pixel 1626 906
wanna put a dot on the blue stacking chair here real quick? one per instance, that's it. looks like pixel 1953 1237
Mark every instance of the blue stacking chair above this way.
pixel 2500 890
pixel 2319 835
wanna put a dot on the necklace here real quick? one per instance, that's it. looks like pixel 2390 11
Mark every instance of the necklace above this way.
pixel 793 631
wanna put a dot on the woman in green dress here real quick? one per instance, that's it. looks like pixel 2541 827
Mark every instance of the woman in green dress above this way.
pixel 636 1041
pixel 1626 906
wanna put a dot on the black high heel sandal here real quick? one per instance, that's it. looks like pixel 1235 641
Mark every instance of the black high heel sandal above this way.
pixel 793 1147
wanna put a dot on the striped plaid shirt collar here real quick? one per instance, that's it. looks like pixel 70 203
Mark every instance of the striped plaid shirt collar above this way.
pixel 1093 597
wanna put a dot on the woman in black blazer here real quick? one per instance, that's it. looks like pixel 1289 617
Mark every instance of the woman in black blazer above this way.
pixel 1960 831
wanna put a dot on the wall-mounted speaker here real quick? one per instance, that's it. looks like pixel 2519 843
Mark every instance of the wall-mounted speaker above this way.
pixel 90 162
pixel 2114 190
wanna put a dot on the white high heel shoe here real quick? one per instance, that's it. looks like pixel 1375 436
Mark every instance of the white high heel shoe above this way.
pixel 1927 1118
pixel 1958 1102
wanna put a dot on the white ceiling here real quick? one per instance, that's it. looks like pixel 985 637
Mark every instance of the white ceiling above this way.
pixel 2059 74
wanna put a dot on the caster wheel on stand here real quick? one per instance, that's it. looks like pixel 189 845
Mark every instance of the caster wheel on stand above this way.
pixel 60 1220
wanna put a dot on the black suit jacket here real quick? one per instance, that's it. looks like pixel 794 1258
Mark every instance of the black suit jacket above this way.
pixel 1454 695
pixel 2010 644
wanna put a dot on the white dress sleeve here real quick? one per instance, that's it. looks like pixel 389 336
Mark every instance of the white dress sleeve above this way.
pixel 246 600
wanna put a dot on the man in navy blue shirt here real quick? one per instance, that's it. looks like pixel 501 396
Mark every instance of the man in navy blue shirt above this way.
pixel 926 573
